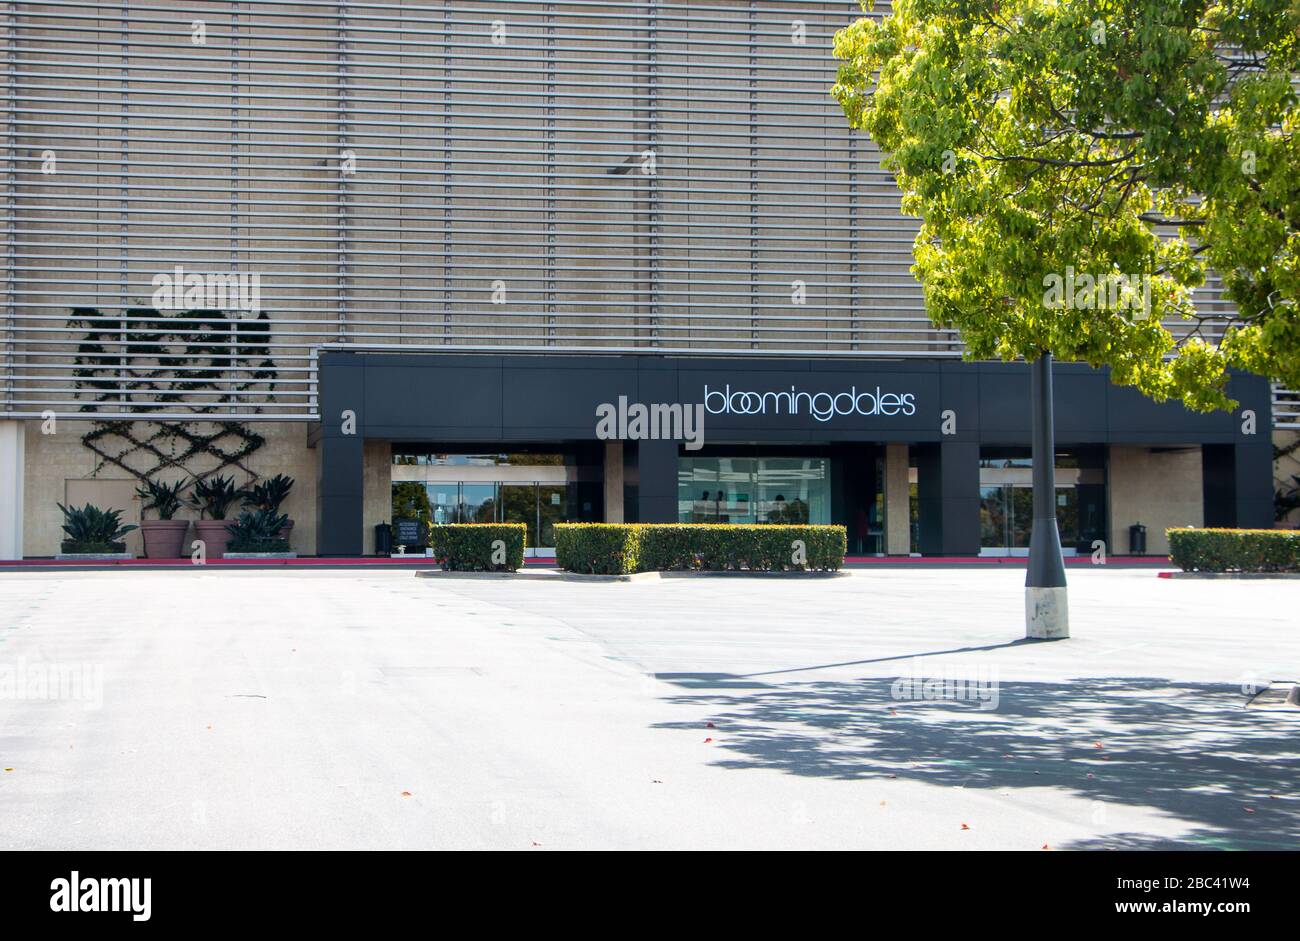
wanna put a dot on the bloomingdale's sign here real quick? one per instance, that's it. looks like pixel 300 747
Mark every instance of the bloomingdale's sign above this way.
pixel 823 406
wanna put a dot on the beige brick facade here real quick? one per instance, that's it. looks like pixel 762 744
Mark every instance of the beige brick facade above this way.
pixel 1158 487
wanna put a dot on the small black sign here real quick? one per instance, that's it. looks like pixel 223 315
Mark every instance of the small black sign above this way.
pixel 408 532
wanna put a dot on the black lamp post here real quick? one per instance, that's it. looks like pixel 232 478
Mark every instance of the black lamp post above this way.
pixel 1047 610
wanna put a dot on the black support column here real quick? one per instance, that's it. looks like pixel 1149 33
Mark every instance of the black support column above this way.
pixel 657 460
pixel 948 497
pixel 1253 464
pixel 1237 484
pixel 341 469
pixel 657 488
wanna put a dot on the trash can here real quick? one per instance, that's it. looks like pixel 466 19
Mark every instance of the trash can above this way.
pixel 383 539
pixel 1137 539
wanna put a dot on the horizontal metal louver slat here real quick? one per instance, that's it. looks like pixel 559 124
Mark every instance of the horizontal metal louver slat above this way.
pixel 635 177
pixel 1286 408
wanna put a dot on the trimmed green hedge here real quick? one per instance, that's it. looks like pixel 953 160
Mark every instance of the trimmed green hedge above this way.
pixel 619 549
pixel 597 548
pixel 1235 550
pixel 467 547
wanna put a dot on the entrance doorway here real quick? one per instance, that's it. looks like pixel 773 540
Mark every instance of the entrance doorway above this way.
pixel 538 505
pixel 1007 518
pixel 535 489
pixel 1007 500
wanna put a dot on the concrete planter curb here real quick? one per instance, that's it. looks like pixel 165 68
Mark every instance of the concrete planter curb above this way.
pixel 1251 575
pixel 259 555
pixel 93 556
pixel 838 573
pixel 442 573
pixel 554 574
pixel 584 577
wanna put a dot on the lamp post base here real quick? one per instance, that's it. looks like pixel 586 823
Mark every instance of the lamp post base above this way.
pixel 1047 614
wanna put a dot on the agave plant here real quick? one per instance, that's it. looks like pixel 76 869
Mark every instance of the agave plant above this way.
pixel 90 529
pixel 257 531
pixel 163 498
pixel 214 496
pixel 269 494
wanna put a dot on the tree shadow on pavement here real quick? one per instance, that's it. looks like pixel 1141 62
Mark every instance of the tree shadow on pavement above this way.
pixel 1189 750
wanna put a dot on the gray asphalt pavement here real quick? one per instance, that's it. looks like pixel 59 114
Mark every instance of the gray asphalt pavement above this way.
pixel 881 709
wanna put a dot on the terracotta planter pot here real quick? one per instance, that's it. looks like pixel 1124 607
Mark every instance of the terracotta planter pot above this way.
pixel 286 530
pixel 164 539
pixel 214 536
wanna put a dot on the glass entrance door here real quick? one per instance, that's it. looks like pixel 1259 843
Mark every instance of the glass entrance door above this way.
pixel 478 503
pixel 519 505
pixel 533 488
pixel 1007 518
pixel 551 506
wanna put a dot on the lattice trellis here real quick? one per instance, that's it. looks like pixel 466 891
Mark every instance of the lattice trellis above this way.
pixel 146 449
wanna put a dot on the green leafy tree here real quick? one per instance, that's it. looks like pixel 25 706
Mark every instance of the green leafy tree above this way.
pixel 1080 167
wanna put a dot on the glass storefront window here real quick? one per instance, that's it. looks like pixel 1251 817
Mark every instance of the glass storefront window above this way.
pixel 997 457
pixel 478 503
pixel 753 490
pixel 411 502
pixel 445 503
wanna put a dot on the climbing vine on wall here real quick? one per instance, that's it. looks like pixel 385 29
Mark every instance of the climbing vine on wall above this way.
pixel 171 358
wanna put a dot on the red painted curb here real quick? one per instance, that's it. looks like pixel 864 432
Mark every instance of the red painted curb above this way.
pixel 1077 562
pixel 422 562
pixel 186 562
